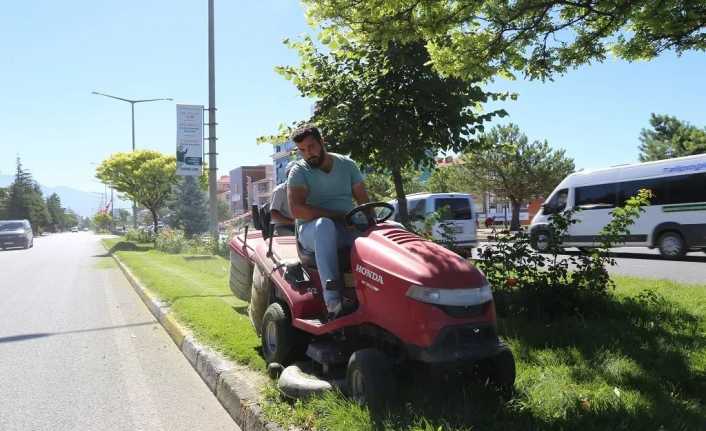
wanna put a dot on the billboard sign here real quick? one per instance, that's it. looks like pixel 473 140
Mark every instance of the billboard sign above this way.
pixel 189 151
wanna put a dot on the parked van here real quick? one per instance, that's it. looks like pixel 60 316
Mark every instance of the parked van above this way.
pixel 16 233
pixel 674 222
pixel 460 215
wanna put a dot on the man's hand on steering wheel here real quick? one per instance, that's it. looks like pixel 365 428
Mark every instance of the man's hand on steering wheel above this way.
pixel 368 211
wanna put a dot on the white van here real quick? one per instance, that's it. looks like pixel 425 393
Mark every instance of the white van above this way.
pixel 674 222
pixel 460 210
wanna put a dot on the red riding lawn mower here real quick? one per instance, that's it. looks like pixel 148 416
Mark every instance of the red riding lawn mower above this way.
pixel 412 300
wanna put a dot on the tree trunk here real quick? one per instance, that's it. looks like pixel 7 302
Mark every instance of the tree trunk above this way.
pixel 155 220
pixel 515 223
pixel 401 198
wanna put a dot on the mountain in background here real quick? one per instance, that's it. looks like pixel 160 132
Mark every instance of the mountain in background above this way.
pixel 83 203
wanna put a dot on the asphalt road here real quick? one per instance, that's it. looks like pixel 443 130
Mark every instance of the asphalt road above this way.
pixel 80 351
pixel 644 262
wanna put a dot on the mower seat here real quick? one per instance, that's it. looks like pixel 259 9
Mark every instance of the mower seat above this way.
pixel 308 258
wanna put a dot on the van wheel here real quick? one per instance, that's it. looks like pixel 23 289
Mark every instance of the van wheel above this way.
pixel 540 241
pixel 671 245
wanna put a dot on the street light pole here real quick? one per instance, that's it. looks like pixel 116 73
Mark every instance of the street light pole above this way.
pixel 132 103
pixel 212 191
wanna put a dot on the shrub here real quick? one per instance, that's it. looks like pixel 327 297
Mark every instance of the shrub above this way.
pixel 139 235
pixel 171 241
pixel 535 285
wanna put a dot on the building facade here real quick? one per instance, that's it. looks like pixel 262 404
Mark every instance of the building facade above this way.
pixel 241 179
pixel 283 153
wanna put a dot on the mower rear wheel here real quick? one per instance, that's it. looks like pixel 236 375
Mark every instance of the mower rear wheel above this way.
pixel 370 378
pixel 499 371
pixel 281 342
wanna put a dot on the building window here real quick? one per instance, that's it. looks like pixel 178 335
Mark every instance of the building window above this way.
pixel 263 187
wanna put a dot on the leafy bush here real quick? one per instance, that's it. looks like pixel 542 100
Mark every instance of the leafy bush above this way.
pixel 171 241
pixel 139 235
pixel 536 285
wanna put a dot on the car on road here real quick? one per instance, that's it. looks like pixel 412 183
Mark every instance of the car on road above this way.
pixel 16 233
pixel 455 211
pixel 674 221
pixel 74 229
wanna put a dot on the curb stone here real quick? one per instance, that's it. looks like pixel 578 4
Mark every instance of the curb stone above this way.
pixel 236 387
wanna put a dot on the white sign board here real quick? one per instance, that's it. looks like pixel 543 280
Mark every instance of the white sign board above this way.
pixel 189 145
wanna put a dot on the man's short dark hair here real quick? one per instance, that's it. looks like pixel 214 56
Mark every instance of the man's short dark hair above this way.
pixel 304 131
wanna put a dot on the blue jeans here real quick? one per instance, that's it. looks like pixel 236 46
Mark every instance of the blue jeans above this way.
pixel 324 237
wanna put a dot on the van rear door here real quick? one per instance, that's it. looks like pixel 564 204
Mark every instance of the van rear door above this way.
pixel 457 212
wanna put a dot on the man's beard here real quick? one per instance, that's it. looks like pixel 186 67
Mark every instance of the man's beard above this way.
pixel 316 161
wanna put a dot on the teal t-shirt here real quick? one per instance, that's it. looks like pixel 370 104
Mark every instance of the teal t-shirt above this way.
pixel 331 191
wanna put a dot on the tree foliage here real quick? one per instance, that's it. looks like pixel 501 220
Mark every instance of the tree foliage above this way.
pixel 387 107
pixel 25 200
pixel 481 39
pixel 514 168
pixel 145 176
pixel 669 137
pixel 190 212
pixel 102 221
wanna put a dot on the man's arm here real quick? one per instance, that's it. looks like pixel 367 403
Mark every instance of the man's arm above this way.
pixel 302 211
pixel 360 193
pixel 280 218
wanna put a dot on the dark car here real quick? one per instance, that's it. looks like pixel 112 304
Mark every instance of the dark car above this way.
pixel 16 233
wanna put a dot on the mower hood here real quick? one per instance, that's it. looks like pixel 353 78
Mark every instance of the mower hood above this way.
pixel 419 262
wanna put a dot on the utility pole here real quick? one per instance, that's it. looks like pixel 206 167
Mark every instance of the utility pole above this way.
pixel 212 169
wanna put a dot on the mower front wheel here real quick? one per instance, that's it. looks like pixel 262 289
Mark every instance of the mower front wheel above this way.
pixel 499 371
pixel 370 378
pixel 281 342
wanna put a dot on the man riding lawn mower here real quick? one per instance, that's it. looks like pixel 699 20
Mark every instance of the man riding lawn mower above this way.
pixel 360 293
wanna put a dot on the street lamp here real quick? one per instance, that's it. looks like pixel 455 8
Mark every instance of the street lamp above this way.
pixel 132 108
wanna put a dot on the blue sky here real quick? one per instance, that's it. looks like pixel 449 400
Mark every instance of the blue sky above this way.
pixel 55 53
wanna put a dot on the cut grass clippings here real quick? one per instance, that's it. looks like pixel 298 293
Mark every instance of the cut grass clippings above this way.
pixel 198 294
pixel 640 367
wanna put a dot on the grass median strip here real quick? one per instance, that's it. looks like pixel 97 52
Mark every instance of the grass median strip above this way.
pixel 198 294
pixel 640 366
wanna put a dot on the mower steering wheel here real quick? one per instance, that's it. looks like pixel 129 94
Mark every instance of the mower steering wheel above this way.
pixel 367 210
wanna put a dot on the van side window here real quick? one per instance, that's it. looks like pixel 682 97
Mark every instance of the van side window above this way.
pixel 597 197
pixel 680 189
pixel 416 209
pixel 457 208
pixel 684 189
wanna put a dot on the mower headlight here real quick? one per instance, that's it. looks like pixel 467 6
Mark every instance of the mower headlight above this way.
pixel 454 297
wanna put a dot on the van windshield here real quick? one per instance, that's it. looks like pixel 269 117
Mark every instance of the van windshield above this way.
pixel 456 208
pixel 11 226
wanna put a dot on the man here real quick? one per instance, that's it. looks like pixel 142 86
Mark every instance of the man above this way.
pixel 321 188
pixel 280 214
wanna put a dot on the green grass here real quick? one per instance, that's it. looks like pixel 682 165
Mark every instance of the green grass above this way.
pixel 641 367
pixel 198 294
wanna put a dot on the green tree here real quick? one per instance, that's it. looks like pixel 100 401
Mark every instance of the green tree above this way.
pixel 4 196
pixel 536 37
pixel 516 169
pixel 123 216
pixel 25 200
pixel 669 137
pixel 387 107
pixel 145 176
pixel 102 221
pixel 56 213
pixel 223 210
pixel 190 211
pixel 71 219
pixel 449 179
